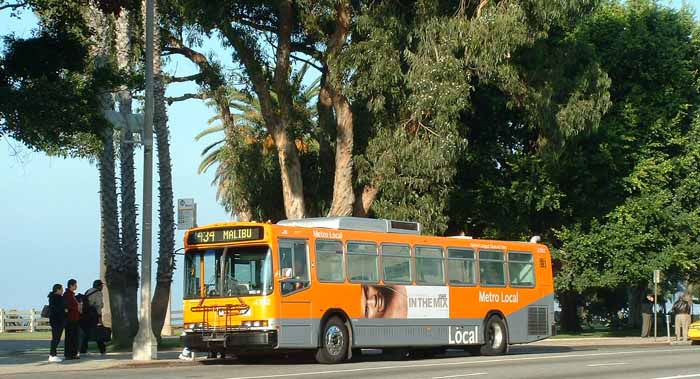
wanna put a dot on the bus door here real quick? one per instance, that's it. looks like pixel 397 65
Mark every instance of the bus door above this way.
pixel 296 323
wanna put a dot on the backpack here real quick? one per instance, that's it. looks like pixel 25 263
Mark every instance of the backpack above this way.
pixel 88 308
pixel 46 311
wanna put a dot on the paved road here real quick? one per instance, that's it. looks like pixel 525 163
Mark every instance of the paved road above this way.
pixel 670 362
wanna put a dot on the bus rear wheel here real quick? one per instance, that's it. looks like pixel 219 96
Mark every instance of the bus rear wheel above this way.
pixel 495 337
pixel 335 342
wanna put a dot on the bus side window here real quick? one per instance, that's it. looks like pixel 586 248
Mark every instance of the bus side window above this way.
pixel 330 265
pixel 363 262
pixel 461 267
pixel 492 268
pixel 396 264
pixel 521 269
pixel 294 266
pixel 430 266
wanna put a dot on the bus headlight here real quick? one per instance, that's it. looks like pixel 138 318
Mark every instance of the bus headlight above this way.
pixel 254 323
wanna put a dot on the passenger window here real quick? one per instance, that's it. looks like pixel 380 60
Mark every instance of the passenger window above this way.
pixel 329 261
pixel 396 263
pixel 429 265
pixel 492 268
pixel 362 262
pixel 461 267
pixel 521 269
pixel 294 266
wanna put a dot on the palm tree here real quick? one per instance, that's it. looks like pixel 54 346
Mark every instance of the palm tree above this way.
pixel 166 207
pixel 248 142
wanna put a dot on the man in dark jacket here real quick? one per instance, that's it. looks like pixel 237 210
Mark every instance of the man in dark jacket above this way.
pixel 92 317
pixel 70 350
pixel 647 312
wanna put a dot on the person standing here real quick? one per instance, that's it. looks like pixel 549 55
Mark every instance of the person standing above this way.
pixel 681 308
pixel 91 317
pixel 57 320
pixel 70 349
pixel 647 313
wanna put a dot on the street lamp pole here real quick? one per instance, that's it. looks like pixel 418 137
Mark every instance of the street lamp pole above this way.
pixel 145 347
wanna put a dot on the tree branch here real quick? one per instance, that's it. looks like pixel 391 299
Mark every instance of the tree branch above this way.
pixel 181 79
pixel 13 6
pixel 247 55
pixel 186 96
pixel 312 64
pixel 306 49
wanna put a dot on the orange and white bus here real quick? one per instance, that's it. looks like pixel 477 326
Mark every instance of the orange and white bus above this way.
pixel 336 285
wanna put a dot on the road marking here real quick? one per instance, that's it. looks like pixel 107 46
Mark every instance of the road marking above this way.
pixel 680 376
pixel 460 376
pixel 607 364
pixel 470 362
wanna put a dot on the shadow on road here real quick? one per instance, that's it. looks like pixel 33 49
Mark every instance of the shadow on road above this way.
pixel 371 355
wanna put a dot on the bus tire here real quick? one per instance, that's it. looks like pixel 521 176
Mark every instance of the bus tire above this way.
pixel 335 341
pixel 495 337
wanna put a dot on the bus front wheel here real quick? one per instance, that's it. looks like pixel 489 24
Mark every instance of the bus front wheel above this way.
pixel 334 343
pixel 495 337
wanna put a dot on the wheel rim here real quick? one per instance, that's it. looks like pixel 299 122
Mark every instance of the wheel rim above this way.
pixel 496 336
pixel 334 340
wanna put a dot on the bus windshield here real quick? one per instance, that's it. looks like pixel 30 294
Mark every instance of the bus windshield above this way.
pixel 232 271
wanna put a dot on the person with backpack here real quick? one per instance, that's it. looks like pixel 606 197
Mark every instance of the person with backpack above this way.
pixel 91 317
pixel 57 312
pixel 681 308
pixel 70 349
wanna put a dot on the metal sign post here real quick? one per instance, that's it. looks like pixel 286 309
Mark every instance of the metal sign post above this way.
pixel 657 279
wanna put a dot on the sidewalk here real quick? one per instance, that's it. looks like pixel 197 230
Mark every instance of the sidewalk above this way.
pixel 17 357
pixel 609 341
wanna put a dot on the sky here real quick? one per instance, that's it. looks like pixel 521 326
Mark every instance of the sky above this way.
pixel 49 207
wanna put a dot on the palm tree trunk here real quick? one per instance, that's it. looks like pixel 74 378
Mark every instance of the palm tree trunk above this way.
pixel 166 235
pixel 130 246
pixel 120 271
pixel 124 321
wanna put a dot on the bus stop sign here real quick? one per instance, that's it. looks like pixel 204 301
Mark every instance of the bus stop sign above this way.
pixel 186 214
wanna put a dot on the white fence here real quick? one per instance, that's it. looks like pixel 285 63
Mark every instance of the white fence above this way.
pixel 12 320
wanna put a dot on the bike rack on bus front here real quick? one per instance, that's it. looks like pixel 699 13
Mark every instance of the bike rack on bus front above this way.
pixel 227 310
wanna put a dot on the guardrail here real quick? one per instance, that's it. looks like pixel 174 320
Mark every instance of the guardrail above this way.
pixel 29 321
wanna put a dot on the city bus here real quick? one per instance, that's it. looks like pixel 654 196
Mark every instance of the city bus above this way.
pixel 336 285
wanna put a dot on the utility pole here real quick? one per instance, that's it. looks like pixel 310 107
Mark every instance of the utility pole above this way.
pixel 145 346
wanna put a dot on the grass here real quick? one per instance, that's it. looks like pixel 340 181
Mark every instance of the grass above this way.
pixel 24 336
pixel 597 333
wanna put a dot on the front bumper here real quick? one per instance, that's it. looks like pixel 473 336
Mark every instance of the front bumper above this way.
pixel 694 333
pixel 231 341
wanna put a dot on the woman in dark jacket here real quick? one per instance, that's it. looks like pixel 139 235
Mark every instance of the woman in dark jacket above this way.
pixel 57 319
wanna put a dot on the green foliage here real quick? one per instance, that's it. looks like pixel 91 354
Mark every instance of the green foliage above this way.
pixel 647 148
pixel 49 97
pixel 50 87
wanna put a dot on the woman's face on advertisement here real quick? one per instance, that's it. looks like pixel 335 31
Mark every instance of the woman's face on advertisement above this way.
pixel 373 302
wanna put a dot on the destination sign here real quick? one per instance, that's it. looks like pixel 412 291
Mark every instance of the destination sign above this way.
pixel 226 234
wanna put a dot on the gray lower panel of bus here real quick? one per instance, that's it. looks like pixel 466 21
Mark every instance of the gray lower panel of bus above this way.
pixel 533 322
